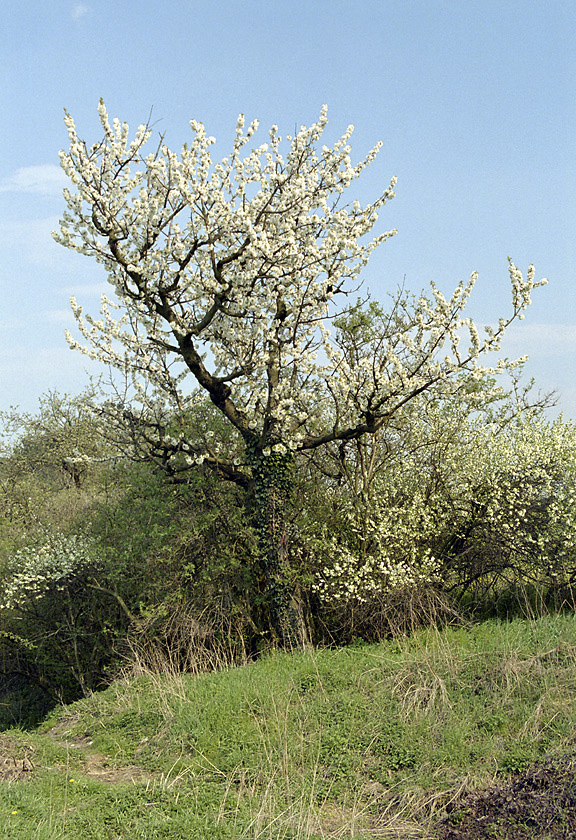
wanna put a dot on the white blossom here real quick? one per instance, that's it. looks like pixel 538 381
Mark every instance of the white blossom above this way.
pixel 37 569
pixel 231 272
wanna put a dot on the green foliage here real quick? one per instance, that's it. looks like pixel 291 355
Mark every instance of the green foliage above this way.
pixel 137 552
pixel 173 542
pixel 50 466
pixel 463 506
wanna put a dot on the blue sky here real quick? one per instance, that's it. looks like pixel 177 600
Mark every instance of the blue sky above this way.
pixel 474 101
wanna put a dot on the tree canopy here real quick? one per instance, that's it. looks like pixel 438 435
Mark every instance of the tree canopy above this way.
pixel 232 272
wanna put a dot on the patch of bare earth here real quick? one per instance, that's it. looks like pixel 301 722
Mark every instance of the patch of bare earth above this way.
pixel 17 761
pixel 539 804
pixel 97 766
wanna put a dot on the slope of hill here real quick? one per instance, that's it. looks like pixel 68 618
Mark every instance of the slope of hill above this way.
pixel 374 741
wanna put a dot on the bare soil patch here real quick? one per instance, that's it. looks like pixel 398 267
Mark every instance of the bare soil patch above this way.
pixel 18 761
pixel 97 766
pixel 538 804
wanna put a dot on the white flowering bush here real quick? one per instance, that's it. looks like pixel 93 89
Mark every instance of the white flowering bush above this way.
pixel 516 518
pixel 381 536
pixel 35 571
pixel 59 618
pixel 468 499
pixel 388 550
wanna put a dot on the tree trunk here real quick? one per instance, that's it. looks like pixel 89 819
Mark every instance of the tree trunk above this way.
pixel 271 491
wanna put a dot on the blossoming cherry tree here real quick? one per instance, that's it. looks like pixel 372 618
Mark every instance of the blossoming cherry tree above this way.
pixel 230 273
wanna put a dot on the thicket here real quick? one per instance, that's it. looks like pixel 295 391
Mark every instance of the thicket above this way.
pixel 107 559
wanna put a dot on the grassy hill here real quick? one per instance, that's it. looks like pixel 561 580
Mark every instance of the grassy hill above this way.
pixel 374 741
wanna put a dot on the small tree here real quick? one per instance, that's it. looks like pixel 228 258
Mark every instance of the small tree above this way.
pixel 230 272
pixel 51 462
pixel 61 440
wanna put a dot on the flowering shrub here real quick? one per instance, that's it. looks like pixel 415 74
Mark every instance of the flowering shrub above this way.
pixel 386 549
pixel 36 570
pixel 516 515
pixel 455 501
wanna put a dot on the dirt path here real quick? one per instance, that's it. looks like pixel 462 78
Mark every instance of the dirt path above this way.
pixel 18 761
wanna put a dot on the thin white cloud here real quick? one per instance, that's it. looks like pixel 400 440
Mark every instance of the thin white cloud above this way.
pixel 46 179
pixel 78 11
pixel 91 290
pixel 32 242
pixel 60 316
pixel 26 246
pixel 544 339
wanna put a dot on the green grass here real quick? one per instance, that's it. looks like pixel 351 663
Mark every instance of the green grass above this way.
pixel 365 742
